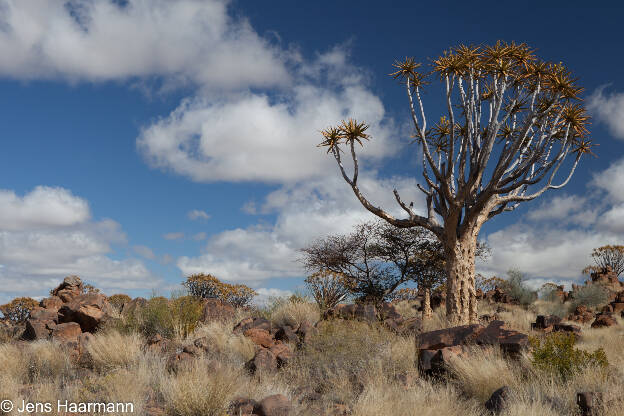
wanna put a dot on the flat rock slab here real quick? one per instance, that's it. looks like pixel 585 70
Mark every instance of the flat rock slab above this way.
pixel 449 337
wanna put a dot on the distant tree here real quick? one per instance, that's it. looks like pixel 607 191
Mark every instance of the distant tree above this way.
pixel 118 300
pixel 515 287
pixel 548 292
pixel 377 258
pixel 607 257
pixel 207 286
pixel 328 288
pixel 503 103
pixel 18 310
pixel 489 283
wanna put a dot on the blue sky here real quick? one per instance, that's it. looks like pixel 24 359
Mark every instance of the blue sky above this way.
pixel 147 140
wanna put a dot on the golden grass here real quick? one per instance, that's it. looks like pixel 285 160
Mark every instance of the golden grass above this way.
pixel 111 350
pixel 294 313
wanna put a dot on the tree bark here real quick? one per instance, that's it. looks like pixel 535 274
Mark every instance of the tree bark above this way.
pixel 461 299
pixel 427 312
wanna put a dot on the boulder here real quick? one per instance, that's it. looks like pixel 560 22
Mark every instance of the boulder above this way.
pixel 448 337
pixel 203 343
pixel 70 288
pixel 543 322
pixel 574 329
pixel 260 337
pixel 193 350
pixel 157 344
pixel 249 323
pixel 496 402
pixel 604 320
pixel 434 362
pixel 275 405
pixel 131 307
pixel 306 331
pixel 66 332
pixel 510 342
pixel 286 334
pixel 361 312
pixel 52 303
pixel 89 311
pixel 216 310
pixel 387 311
pixel 36 329
pixel 42 314
pixel 617 307
pixel 264 361
pixel 177 361
pixel 282 353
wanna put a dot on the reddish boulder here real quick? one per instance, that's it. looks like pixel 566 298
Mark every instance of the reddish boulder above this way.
pixel 496 402
pixel 264 361
pixel 178 361
pixel 448 337
pixel 282 353
pixel 67 332
pixel 589 403
pixel 511 342
pixel 260 337
pixel 70 288
pixel 617 307
pixel 276 405
pixel 53 303
pixel 42 314
pixel 133 306
pixel 249 323
pixel 216 310
pixel 89 310
pixel 603 320
pixel 361 312
pixel 543 322
pixel 242 406
pixel 433 362
pixel 36 329
pixel 306 331
pixel 286 334
pixel 202 343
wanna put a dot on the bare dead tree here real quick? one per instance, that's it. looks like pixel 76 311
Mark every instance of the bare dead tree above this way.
pixel 502 103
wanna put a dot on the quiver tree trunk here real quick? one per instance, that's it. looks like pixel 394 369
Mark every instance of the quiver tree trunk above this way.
pixel 461 299
pixel 427 312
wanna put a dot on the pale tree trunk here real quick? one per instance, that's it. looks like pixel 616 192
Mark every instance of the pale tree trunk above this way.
pixel 427 312
pixel 461 299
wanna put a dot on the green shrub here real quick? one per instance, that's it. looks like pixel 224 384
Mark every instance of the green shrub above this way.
pixel 515 287
pixel 207 286
pixel 556 354
pixel 590 296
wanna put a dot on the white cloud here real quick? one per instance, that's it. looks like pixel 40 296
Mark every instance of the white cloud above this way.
pixel 51 235
pixel 197 214
pixel 609 108
pixel 305 211
pixel 200 236
pixel 564 209
pixel 144 251
pixel 173 236
pixel 184 41
pixel 611 180
pixel 261 137
pixel 166 259
pixel 266 294
pixel 42 207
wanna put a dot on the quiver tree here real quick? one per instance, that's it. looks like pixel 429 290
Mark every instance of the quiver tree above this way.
pixel 18 310
pixel 605 258
pixel 328 288
pixel 511 122
pixel 207 286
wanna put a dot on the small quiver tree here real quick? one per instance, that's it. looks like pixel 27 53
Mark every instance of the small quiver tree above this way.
pixel 328 288
pixel 18 310
pixel 511 122
pixel 207 286
pixel 605 258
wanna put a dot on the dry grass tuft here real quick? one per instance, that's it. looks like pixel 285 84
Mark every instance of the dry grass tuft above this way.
pixel 111 350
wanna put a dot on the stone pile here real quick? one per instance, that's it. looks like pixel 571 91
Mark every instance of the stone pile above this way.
pixel 552 323
pixel 386 314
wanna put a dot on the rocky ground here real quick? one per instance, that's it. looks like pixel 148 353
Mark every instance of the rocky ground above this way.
pixel 208 358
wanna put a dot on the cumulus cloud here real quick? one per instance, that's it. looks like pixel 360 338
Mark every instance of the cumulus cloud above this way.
pixel 611 180
pixel 200 236
pixel 198 214
pixel 564 209
pixel 608 108
pixel 52 235
pixel 305 212
pixel 183 41
pixel 144 251
pixel 265 294
pixel 42 207
pixel 173 236
pixel 260 137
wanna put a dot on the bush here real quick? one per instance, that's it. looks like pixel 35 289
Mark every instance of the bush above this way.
pixel 18 310
pixel 207 286
pixel 556 354
pixel 515 287
pixel 590 296
pixel 328 288
pixel 118 300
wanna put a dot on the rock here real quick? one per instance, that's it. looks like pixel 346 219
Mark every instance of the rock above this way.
pixel 510 342
pixel 607 309
pixel 486 319
pixel 42 314
pixel 264 361
pixel 157 344
pixel 36 329
pixel 574 329
pixel 66 332
pixel 496 402
pixel 589 403
pixel 242 406
pixel 70 288
pixel 448 337
pixel 437 299
pixel 581 314
pixel 286 334
pixel 606 278
pixel 53 303
pixel 387 311
pixel 434 362
pixel 275 405
pixel 617 307
pixel 216 310
pixel 260 337
pixel 498 295
pixel 543 322
pixel 193 350
pixel 177 361
pixel 249 323
pixel 411 326
pixel 603 321
pixel 283 353
pixel 89 310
